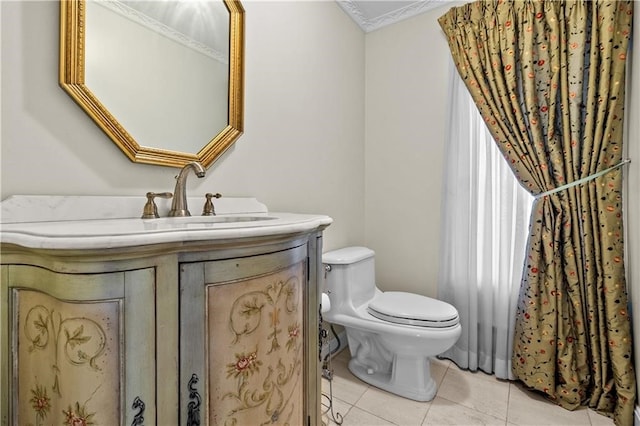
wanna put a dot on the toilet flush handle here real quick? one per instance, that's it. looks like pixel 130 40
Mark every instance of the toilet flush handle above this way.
pixel 327 268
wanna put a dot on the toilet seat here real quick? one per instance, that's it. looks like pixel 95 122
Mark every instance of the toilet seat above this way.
pixel 413 309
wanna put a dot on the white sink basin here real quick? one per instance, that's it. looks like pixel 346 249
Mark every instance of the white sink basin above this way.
pixel 114 227
pixel 195 221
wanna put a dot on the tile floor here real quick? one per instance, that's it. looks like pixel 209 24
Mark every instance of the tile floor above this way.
pixel 463 398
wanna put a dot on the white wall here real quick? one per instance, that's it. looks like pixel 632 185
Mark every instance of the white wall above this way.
pixel 302 150
pixel 406 89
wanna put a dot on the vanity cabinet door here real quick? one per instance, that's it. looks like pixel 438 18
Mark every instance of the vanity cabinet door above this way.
pixel 81 347
pixel 244 358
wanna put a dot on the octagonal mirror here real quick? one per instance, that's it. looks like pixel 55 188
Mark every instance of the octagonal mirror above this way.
pixel 163 78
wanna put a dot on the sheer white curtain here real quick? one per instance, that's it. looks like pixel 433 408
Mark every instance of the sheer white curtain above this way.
pixel 485 220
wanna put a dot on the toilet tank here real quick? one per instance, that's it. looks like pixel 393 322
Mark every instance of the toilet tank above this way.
pixel 351 280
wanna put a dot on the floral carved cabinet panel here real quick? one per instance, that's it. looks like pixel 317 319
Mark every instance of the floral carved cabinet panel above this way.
pixel 255 348
pixel 244 358
pixel 67 354
pixel 72 338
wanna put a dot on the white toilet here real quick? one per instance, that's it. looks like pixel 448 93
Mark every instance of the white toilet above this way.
pixel 392 335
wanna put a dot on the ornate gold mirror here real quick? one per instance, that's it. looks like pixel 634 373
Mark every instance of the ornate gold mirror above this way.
pixel 163 79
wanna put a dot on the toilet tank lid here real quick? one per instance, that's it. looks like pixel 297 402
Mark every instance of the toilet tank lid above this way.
pixel 347 255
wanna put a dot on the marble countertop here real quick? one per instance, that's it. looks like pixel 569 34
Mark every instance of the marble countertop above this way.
pixel 50 222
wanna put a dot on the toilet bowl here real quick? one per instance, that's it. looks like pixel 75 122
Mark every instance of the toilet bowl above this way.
pixel 391 335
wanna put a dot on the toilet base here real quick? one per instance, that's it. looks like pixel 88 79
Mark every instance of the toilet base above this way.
pixel 409 377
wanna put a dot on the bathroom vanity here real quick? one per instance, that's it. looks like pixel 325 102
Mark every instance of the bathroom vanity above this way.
pixel 172 321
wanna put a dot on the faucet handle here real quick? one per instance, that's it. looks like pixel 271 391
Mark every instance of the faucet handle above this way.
pixel 208 209
pixel 150 210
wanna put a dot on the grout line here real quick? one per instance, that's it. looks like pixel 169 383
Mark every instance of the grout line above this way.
pixel 343 415
pixel 355 404
pixel 473 408
pixel 506 422
pixel 378 417
pixel 424 419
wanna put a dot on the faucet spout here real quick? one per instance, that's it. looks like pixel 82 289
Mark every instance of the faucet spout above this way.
pixel 179 203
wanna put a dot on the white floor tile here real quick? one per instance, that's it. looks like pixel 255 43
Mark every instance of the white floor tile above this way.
pixel 340 410
pixel 358 417
pixel 398 410
pixel 529 408
pixel 476 392
pixel 598 419
pixel 445 412
pixel 464 398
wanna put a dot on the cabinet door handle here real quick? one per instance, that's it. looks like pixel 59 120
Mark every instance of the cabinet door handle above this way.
pixel 193 414
pixel 138 419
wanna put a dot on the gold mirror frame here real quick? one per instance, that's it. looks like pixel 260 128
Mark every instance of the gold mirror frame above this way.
pixel 71 77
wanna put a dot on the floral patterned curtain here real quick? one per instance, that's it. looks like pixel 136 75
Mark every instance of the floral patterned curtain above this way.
pixel 548 78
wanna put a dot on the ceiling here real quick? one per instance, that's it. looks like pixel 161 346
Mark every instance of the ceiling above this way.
pixel 371 15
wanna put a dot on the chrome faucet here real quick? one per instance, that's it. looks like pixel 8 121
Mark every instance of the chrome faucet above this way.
pixel 179 203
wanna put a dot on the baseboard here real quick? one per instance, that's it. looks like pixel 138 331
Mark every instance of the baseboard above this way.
pixel 636 416
pixel 336 345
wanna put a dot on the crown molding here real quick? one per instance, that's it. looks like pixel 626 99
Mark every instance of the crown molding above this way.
pixel 371 24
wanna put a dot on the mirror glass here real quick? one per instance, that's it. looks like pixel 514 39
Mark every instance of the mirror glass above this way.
pixel 162 78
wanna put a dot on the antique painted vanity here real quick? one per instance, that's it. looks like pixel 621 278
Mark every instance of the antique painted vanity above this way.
pixel 107 318
pixel 171 321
